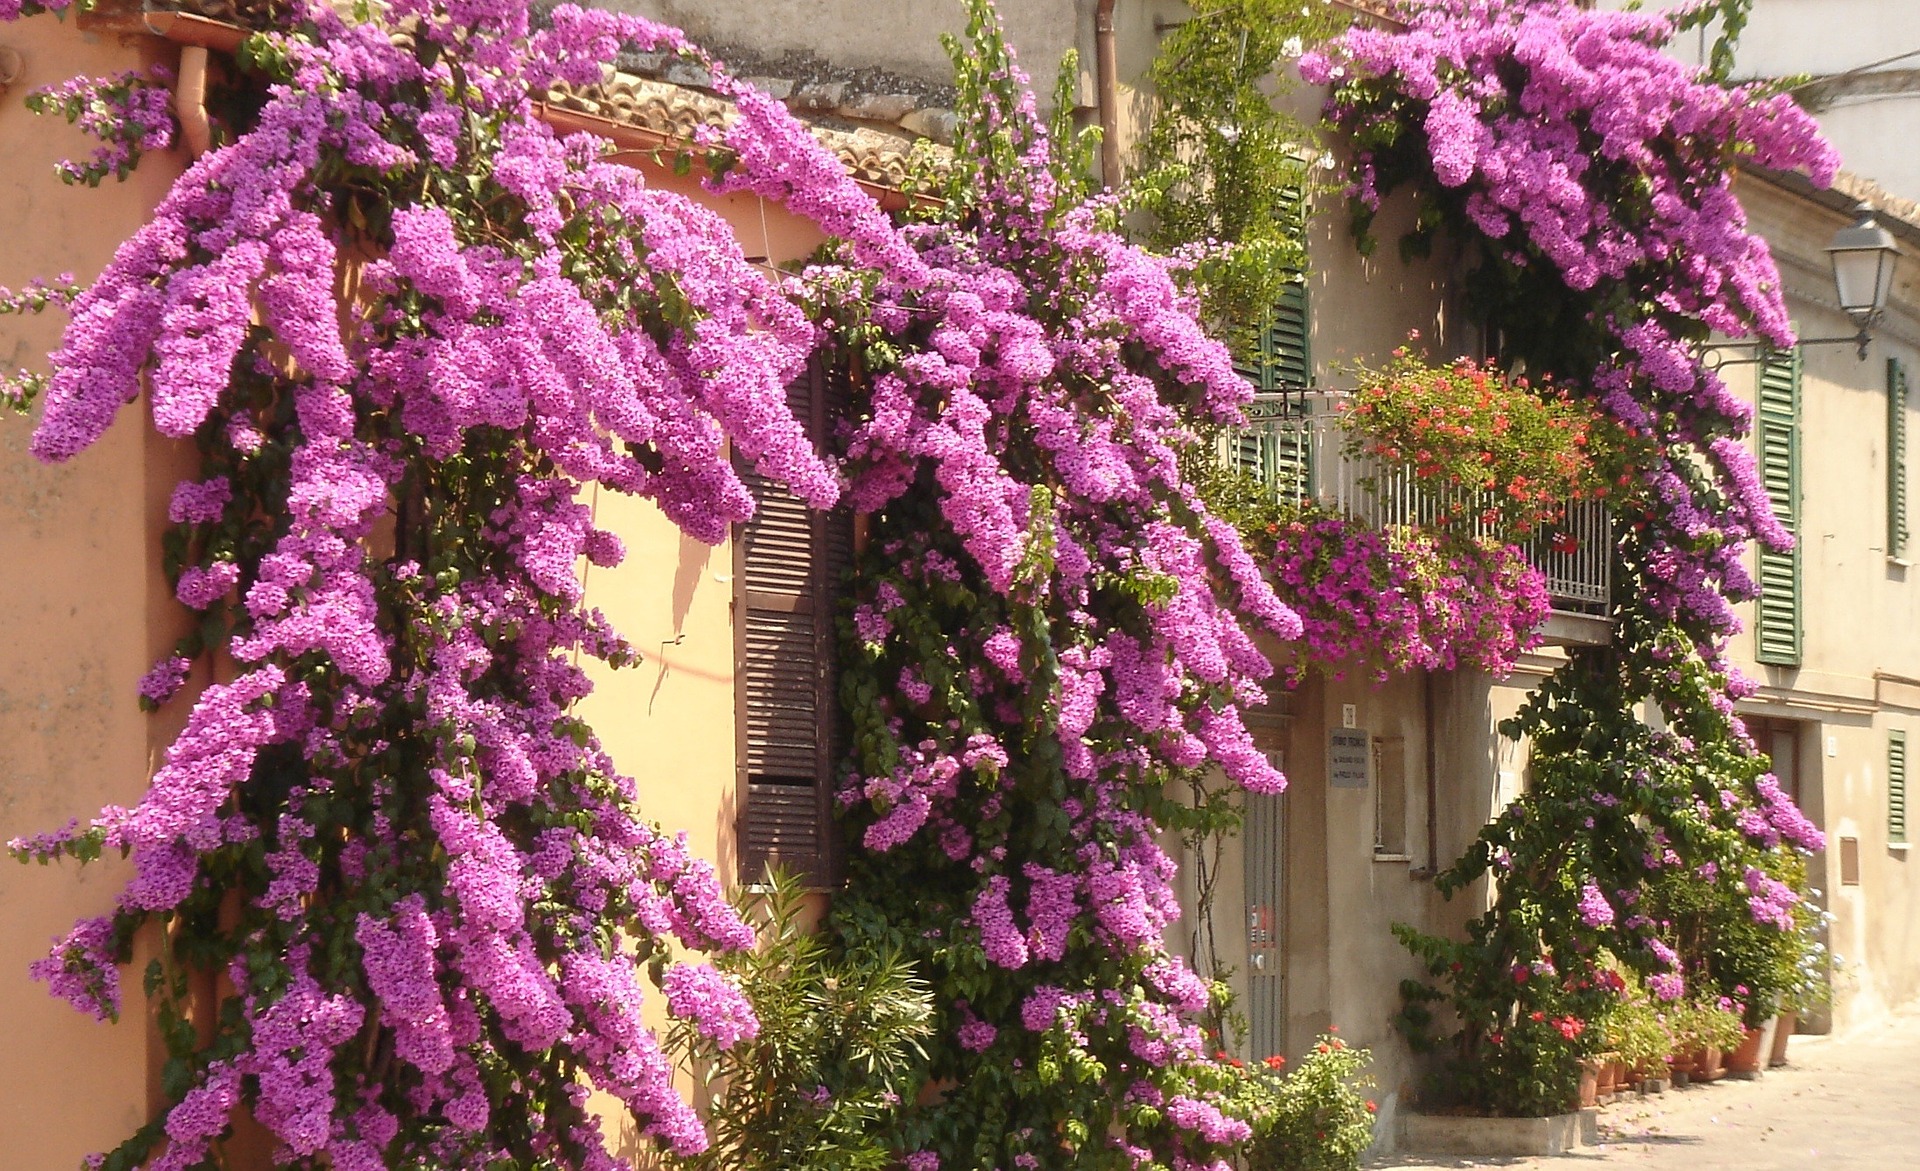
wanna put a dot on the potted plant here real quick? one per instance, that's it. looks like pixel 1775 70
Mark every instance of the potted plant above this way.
pixel 1705 1032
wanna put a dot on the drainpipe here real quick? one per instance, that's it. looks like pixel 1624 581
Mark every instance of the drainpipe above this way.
pixel 190 101
pixel 1432 866
pixel 1106 74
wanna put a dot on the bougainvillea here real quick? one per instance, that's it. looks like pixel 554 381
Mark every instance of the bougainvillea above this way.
pixel 1588 175
pixel 1400 599
pixel 1043 636
pixel 431 891
pixel 130 113
pixel 1595 174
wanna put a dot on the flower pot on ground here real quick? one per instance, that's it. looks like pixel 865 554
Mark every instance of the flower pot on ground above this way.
pixel 1608 1076
pixel 1590 1081
pixel 1783 1027
pixel 1709 1064
pixel 1750 1056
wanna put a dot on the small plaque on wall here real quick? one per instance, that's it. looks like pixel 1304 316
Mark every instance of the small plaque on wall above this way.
pixel 1349 758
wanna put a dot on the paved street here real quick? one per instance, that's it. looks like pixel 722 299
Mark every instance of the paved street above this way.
pixel 1853 1102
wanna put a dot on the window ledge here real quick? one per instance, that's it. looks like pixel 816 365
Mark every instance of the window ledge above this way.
pixel 1899 847
pixel 1380 857
pixel 1900 562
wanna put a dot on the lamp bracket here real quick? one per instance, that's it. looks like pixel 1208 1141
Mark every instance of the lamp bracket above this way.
pixel 1716 357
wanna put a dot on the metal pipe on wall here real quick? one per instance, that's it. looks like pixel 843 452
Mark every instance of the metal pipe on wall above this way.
pixel 1106 79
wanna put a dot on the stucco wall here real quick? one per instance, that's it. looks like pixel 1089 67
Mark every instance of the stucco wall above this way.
pixel 86 613
pixel 900 37
pixel 1860 608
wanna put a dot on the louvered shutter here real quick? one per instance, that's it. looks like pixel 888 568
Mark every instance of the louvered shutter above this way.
pixel 1292 365
pixel 1896 458
pixel 1778 631
pixel 1897 786
pixel 791 563
pixel 1280 365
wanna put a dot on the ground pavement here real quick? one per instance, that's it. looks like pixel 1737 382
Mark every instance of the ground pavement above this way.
pixel 1853 1102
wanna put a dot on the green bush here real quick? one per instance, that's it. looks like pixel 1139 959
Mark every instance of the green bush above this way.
pixel 839 1048
pixel 1317 1118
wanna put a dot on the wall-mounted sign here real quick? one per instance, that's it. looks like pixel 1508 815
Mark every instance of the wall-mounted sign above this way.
pixel 1349 758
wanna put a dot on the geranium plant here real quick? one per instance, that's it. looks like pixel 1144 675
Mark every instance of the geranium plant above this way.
pixel 1500 457
pixel 1400 599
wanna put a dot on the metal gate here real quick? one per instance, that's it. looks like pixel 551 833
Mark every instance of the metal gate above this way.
pixel 1264 839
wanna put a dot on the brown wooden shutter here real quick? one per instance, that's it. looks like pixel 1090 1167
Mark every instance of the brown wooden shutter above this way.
pixel 791 561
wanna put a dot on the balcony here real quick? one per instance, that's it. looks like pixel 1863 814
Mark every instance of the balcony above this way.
pixel 1295 442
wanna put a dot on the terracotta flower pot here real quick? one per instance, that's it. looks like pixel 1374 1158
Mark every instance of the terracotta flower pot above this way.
pixel 1682 1062
pixel 1707 1065
pixel 1783 1027
pixel 1751 1053
pixel 1609 1076
pixel 1589 1083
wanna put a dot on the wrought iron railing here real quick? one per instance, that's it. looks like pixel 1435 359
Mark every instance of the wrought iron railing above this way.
pixel 1297 444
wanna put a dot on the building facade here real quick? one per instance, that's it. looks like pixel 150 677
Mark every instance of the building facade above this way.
pixel 729 710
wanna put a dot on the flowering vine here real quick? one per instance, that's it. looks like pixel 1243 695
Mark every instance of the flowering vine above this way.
pixel 130 113
pixel 1589 177
pixel 432 892
pixel 1045 631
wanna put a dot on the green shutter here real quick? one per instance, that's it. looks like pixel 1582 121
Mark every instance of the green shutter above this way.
pixel 1778 429
pixel 1896 458
pixel 1897 786
pixel 1280 364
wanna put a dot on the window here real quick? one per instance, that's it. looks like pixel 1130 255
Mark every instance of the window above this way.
pixel 1279 368
pixel 790 561
pixel 1896 458
pixel 1390 797
pixel 1778 430
pixel 1897 786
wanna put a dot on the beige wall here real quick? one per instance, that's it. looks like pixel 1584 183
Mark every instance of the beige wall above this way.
pixel 86 613
pixel 899 36
pixel 1860 608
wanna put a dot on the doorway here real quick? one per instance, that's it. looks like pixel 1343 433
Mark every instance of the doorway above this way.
pixel 1264 853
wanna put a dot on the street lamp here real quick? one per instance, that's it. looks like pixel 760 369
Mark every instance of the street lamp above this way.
pixel 1864 256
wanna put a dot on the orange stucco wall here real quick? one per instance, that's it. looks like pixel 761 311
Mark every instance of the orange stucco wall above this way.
pixel 86 612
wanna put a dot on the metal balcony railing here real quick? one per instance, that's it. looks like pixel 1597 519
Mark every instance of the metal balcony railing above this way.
pixel 1296 442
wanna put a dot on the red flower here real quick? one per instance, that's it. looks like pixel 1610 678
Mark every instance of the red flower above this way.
pixel 1372 1106
pixel 1275 1062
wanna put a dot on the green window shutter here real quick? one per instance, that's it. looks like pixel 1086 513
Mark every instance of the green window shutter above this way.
pixel 1896 458
pixel 1778 629
pixel 1280 364
pixel 1897 786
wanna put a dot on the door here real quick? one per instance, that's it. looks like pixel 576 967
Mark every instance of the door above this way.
pixel 1265 860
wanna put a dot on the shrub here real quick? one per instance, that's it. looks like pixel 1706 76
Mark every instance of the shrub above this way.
pixel 839 1048
pixel 1317 1118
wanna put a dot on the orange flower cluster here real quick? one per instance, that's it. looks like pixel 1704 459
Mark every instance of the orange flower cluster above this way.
pixel 1499 455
